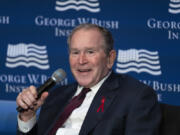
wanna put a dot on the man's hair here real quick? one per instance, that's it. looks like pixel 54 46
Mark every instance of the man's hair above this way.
pixel 108 39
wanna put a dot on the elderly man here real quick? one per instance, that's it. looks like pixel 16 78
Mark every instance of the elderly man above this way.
pixel 104 103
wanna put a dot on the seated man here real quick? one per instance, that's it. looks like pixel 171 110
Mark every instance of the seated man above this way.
pixel 113 104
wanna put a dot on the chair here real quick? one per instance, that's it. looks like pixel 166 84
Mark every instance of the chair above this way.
pixel 170 124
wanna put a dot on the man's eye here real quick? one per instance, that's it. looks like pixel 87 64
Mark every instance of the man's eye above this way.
pixel 74 52
pixel 90 51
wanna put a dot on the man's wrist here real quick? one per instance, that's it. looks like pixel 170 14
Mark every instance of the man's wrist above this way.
pixel 26 126
pixel 26 118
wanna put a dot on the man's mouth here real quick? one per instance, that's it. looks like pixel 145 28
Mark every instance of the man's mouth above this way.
pixel 84 70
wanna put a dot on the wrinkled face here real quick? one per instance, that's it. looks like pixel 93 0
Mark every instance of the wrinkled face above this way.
pixel 88 61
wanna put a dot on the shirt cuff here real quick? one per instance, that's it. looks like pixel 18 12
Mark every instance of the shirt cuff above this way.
pixel 26 126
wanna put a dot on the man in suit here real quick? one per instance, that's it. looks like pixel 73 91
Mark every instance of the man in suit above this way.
pixel 115 105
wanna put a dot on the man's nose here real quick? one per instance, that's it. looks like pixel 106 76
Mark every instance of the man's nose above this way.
pixel 82 58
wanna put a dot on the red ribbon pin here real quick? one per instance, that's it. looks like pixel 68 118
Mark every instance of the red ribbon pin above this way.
pixel 101 107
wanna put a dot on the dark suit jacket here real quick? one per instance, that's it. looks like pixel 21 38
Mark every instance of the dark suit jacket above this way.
pixel 130 108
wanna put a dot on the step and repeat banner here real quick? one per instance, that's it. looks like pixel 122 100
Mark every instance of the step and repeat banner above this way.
pixel 33 44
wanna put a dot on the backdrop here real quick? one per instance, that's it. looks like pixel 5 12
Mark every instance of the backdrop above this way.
pixel 33 44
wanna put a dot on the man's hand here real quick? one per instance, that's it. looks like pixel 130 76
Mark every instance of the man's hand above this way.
pixel 27 99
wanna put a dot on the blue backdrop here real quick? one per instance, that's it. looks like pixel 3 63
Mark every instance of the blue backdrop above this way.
pixel 33 44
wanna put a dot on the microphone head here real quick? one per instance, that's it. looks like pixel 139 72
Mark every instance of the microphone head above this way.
pixel 58 75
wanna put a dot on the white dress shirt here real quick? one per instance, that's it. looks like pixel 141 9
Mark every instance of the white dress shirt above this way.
pixel 73 124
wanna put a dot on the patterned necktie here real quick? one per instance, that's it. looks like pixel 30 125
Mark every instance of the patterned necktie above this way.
pixel 73 104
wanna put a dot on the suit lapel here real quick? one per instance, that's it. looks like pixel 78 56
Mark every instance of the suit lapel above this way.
pixel 70 92
pixel 107 92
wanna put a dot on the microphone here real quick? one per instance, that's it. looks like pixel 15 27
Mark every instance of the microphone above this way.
pixel 56 78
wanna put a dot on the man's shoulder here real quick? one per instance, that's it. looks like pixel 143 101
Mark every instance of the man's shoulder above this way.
pixel 129 83
pixel 126 78
pixel 63 89
pixel 61 92
pixel 131 89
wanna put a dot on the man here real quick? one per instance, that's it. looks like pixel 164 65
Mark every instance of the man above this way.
pixel 116 104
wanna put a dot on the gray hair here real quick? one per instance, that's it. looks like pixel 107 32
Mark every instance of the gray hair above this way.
pixel 108 39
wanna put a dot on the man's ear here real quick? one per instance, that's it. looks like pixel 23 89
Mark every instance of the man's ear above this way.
pixel 111 58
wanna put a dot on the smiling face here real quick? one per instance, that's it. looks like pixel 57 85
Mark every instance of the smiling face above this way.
pixel 88 61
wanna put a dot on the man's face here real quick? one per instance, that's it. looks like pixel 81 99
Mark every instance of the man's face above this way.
pixel 88 61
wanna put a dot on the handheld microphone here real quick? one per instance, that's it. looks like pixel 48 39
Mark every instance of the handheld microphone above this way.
pixel 56 78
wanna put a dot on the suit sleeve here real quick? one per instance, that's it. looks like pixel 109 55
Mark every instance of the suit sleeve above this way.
pixel 144 116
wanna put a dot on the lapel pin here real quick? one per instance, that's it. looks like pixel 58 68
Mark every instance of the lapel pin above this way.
pixel 101 107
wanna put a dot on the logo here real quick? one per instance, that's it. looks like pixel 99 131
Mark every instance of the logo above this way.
pixel 174 6
pixel 4 19
pixel 27 55
pixel 134 60
pixel 89 5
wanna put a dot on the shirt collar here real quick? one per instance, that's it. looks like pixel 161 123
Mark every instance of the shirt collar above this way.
pixel 96 87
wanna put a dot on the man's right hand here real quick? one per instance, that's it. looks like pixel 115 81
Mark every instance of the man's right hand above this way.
pixel 27 99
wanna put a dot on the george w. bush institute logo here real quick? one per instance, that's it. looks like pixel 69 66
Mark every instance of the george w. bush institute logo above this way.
pixel 138 61
pixel 88 5
pixel 27 55
pixel 174 7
